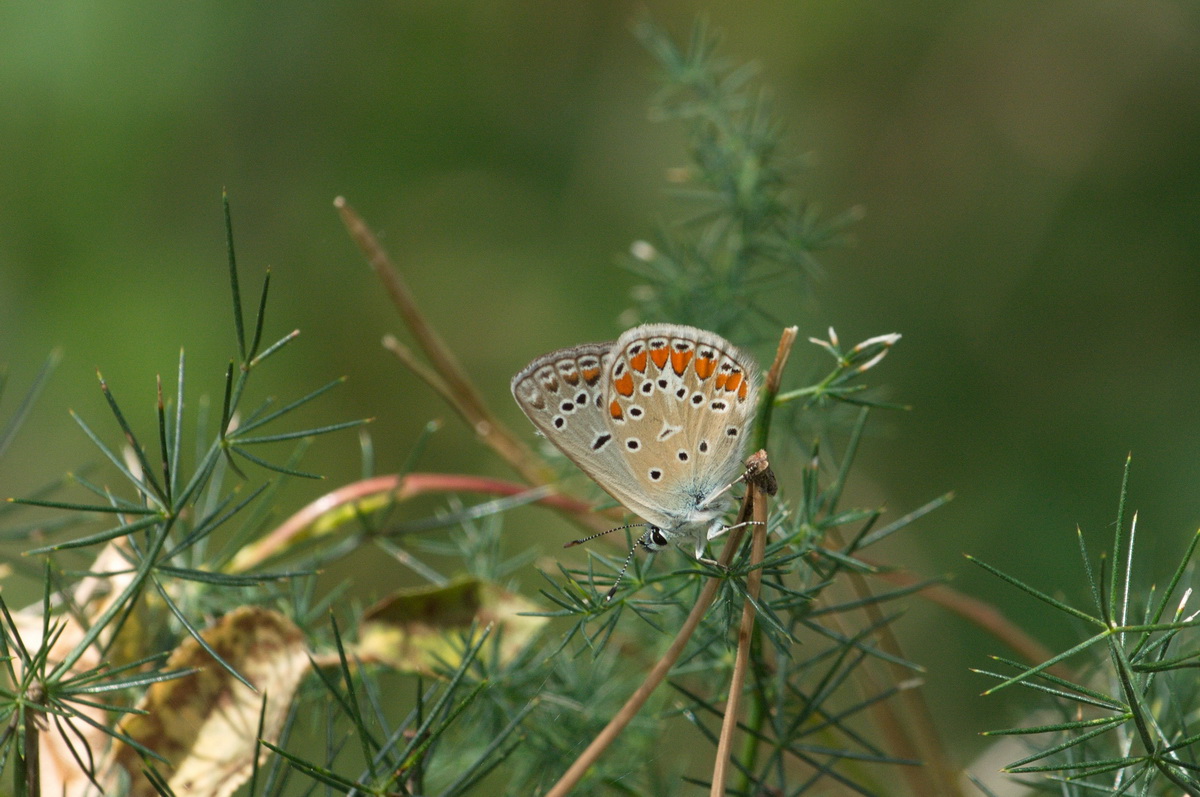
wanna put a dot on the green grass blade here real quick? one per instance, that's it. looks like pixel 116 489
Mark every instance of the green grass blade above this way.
pixel 14 424
pixel 235 290
pixel 134 444
pixel 277 468
pixel 907 520
pixel 1043 597
pixel 276 346
pixel 1050 662
pixel 103 536
pixel 260 317
pixel 199 637
pixel 318 430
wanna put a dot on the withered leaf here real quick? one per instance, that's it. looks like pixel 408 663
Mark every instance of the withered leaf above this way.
pixel 413 629
pixel 206 724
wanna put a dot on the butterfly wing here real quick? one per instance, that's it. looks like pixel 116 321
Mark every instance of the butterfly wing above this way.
pixel 562 393
pixel 680 401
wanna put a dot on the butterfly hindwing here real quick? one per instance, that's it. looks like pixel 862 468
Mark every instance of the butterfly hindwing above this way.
pixel 562 394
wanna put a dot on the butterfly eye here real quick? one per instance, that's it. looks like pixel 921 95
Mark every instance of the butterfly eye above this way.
pixel 657 537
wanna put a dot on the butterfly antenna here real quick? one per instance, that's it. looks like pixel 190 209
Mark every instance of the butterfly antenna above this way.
pixel 601 534
pixel 613 589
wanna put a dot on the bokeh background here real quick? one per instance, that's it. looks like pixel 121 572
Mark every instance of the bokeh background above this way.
pixel 1030 173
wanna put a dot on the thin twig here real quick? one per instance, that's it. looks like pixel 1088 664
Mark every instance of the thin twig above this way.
pixel 426 374
pixel 461 392
pixel 758 514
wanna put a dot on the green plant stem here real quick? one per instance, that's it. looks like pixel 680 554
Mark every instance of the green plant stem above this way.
pixel 31 755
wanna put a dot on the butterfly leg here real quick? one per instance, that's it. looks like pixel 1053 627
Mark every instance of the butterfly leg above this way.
pixel 701 544
pixel 715 530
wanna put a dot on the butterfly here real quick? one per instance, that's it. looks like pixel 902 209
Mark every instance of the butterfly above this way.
pixel 657 418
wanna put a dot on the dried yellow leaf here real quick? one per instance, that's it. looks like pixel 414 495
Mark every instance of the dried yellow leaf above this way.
pixel 412 630
pixel 206 724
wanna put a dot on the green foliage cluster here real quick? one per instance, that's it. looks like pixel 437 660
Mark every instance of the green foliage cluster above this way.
pixel 830 697
pixel 749 235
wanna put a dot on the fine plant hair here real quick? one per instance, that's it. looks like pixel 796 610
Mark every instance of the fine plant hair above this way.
pixel 179 592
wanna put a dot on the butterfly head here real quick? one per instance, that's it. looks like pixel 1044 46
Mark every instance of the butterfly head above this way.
pixel 654 539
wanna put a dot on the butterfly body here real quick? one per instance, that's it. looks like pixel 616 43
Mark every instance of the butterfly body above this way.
pixel 657 418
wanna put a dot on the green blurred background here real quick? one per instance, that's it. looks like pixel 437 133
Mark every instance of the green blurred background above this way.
pixel 1030 173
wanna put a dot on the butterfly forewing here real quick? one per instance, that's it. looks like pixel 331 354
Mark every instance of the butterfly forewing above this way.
pixel 681 400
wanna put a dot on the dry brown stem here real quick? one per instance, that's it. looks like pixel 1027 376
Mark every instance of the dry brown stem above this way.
pixel 782 352
pixel 758 515
pixel 455 386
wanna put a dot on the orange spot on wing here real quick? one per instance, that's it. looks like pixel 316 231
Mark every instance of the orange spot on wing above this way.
pixel 614 410
pixel 680 360
pixel 734 380
pixel 660 357
pixel 572 377
pixel 721 379
pixel 705 367
pixel 743 391
pixel 638 361
pixel 590 375
pixel 624 385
